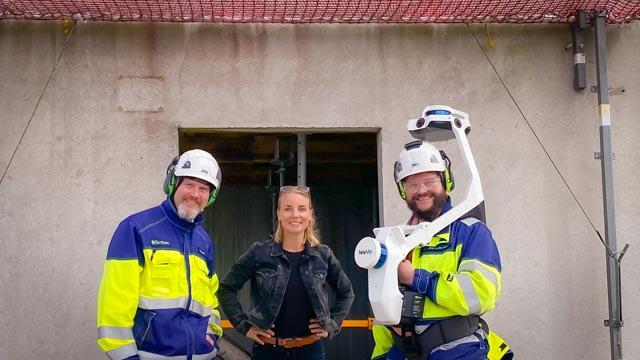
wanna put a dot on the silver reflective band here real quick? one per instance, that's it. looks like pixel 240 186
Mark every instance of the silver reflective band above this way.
pixel 151 356
pixel 153 304
pixel 470 221
pixel 208 356
pixel 469 292
pixel 215 319
pixel 115 332
pixel 421 328
pixel 199 309
pixel 486 273
pixel 465 340
pixel 123 352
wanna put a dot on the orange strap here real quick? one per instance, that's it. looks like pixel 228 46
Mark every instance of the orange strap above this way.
pixel 226 324
pixel 366 323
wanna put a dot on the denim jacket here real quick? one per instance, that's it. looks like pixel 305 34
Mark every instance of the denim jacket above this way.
pixel 267 267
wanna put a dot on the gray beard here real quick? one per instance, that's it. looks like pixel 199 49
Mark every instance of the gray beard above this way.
pixel 431 214
pixel 187 214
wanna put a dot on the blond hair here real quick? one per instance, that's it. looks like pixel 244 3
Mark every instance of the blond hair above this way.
pixel 311 235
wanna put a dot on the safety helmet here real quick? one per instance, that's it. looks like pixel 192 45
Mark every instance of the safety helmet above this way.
pixel 197 164
pixel 420 156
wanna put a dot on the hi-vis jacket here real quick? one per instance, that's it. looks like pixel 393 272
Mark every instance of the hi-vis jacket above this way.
pixel 459 270
pixel 157 297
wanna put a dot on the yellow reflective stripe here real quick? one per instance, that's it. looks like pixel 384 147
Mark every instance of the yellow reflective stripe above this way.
pixel 118 294
pixel 153 304
pixel 383 341
pixel 497 347
pixel 442 262
pixel 199 308
pixel 123 352
pixel 115 332
pixel 477 266
pixel 151 356
pixel 440 238
pixel 214 289
pixel 201 283
pixel 216 324
pixel 469 293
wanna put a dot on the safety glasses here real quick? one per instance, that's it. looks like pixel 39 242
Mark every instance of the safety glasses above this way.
pixel 296 189
pixel 428 184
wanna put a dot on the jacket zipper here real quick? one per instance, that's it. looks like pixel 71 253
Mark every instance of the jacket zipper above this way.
pixel 190 340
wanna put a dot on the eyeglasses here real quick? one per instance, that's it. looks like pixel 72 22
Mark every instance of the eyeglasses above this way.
pixel 428 184
pixel 298 189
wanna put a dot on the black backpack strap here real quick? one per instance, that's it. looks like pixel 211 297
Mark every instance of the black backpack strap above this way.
pixel 477 212
pixel 442 332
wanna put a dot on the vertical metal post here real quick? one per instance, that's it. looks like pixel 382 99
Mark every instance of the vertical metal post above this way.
pixel 302 159
pixel 577 35
pixel 280 162
pixel 274 200
pixel 613 275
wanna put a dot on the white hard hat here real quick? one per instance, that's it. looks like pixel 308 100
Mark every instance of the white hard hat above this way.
pixel 199 164
pixel 416 157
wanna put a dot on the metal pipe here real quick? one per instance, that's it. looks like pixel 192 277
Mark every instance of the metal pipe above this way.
pixel 277 161
pixel 302 159
pixel 577 35
pixel 613 271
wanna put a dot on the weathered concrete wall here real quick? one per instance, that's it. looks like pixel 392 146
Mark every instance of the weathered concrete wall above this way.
pixel 105 128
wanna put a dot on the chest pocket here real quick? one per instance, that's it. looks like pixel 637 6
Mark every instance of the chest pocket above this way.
pixel 442 257
pixel 266 280
pixel 200 281
pixel 164 271
pixel 319 274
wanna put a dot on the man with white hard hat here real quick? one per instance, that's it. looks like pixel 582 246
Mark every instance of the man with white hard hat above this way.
pixel 157 298
pixel 453 279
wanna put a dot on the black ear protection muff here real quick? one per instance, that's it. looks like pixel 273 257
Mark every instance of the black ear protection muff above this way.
pixel 448 183
pixel 170 180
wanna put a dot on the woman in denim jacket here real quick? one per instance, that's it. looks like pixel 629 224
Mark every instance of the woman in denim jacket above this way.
pixel 289 301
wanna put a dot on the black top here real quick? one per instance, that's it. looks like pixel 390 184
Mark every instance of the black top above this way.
pixel 267 266
pixel 296 310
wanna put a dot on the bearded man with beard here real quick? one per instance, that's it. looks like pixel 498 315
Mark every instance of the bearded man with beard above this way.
pixel 157 297
pixel 454 278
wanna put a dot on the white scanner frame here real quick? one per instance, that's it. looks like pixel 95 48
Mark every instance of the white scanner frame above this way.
pixel 382 255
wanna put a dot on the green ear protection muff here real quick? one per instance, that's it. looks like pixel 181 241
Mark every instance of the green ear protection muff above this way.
pixel 448 182
pixel 212 196
pixel 171 182
pixel 447 176
pixel 399 183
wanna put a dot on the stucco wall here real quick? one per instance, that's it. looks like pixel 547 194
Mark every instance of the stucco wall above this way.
pixel 104 129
